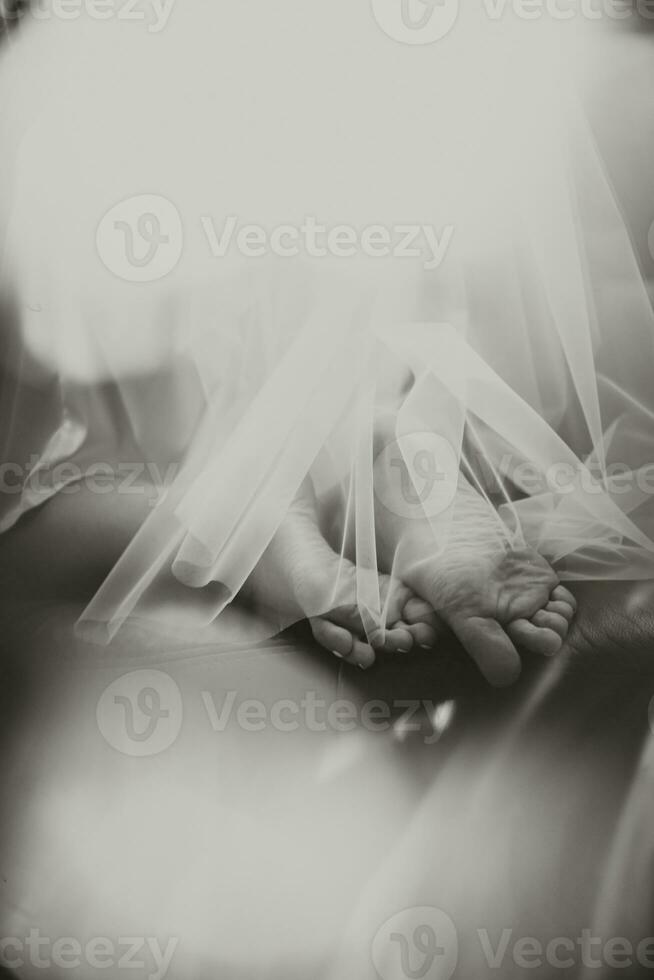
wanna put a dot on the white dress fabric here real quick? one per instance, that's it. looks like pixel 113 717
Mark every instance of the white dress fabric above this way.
pixel 516 342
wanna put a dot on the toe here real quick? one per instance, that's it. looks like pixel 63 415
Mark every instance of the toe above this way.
pixel 332 637
pixel 562 609
pixel 561 594
pixel 348 617
pixel 423 635
pixel 398 639
pixel 394 640
pixel 552 621
pixel 362 655
pixel 424 624
pixel 536 639
pixel 342 643
pixel 418 611
pixel 395 596
pixel 490 648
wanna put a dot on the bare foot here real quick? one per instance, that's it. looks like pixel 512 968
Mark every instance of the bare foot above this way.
pixel 494 598
pixel 300 576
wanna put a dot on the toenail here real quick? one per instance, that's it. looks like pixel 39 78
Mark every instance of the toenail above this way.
pixel 425 646
pixel 337 654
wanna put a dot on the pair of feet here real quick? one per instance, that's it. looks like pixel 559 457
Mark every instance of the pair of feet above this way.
pixel 498 602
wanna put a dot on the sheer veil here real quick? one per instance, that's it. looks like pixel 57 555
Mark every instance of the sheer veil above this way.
pixel 481 290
